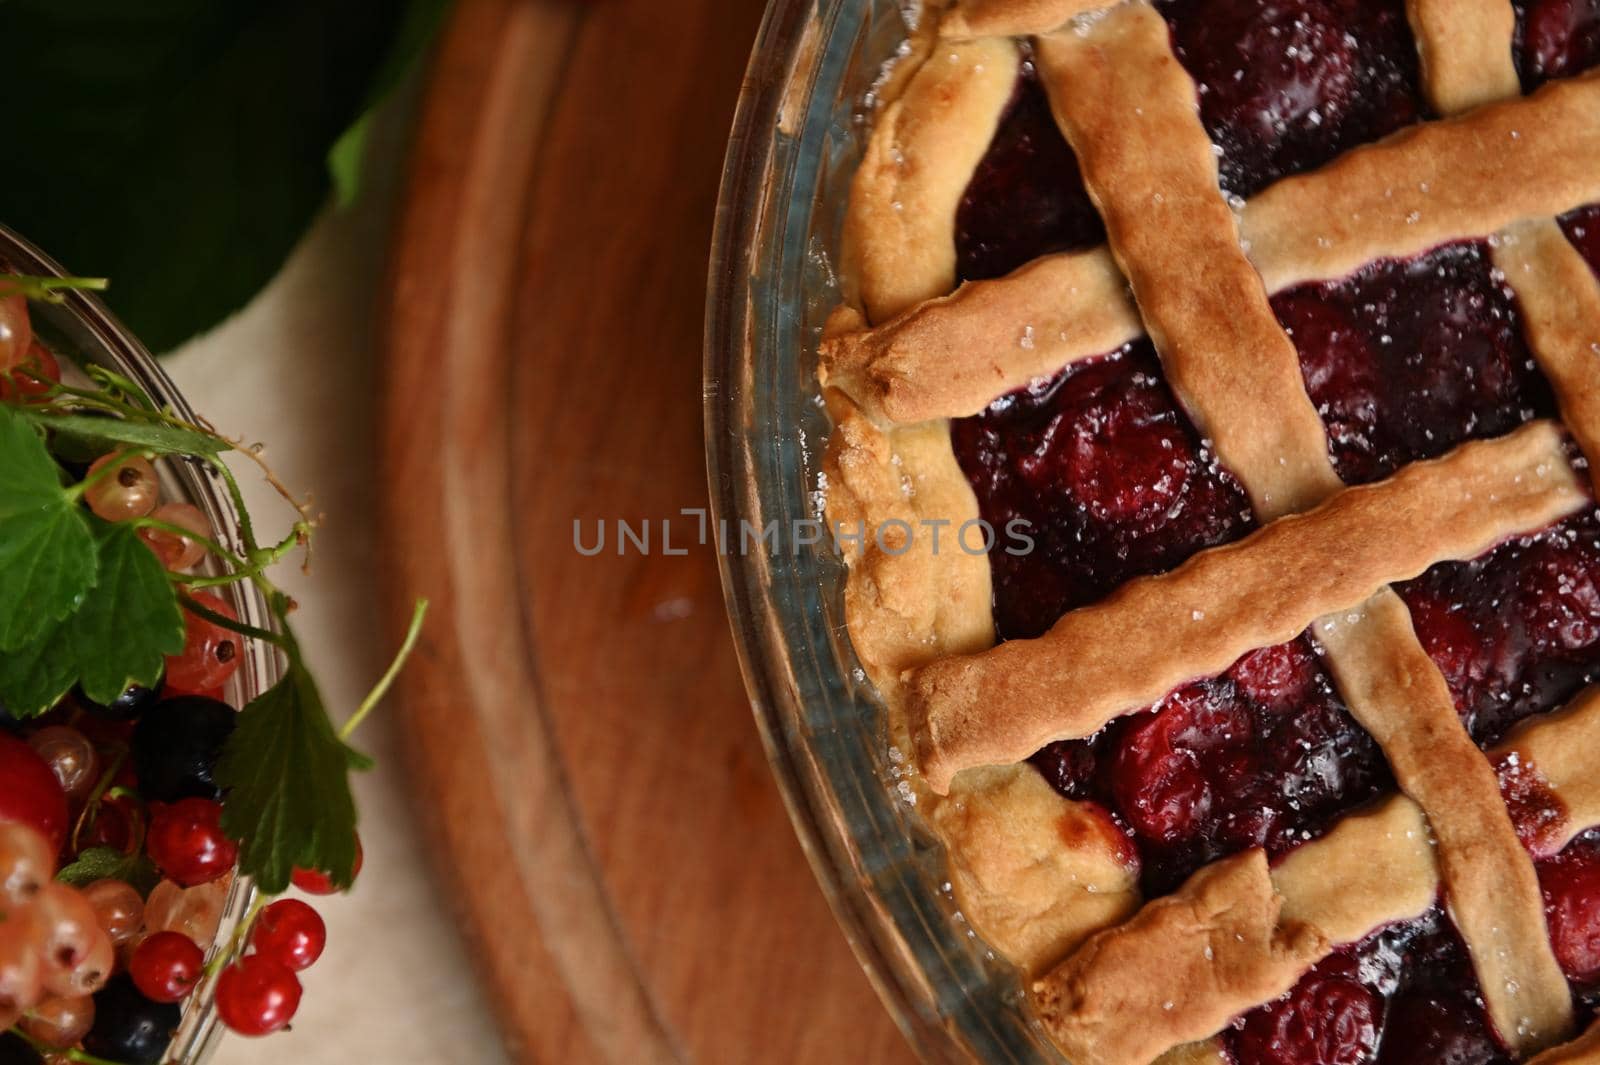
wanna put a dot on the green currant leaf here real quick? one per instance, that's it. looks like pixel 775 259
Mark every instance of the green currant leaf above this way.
pixel 130 622
pixel 47 554
pixel 35 677
pixel 107 863
pixel 105 434
pixel 285 773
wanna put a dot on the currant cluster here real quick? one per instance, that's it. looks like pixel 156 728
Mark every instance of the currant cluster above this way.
pixel 115 867
pixel 105 966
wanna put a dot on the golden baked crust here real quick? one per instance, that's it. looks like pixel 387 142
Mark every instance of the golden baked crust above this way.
pixel 1034 871
pixel 987 338
pixel 905 603
pixel 1013 876
pixel 1130 112
pixel 1434 183
pixel 1556 752
pixel 936 355
pixel 1448 180
pixel 1156 633
pixel 899 227
pixel 1398 695
pixel 1560 301
pixel 1465 48
pixel 1218 946
pixel 1375 867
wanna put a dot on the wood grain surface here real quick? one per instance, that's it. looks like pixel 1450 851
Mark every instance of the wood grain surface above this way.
pixel 584 753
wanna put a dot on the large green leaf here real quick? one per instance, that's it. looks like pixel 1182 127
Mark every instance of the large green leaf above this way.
pixel 33 678
pixel 285 772
pixel 129 623
pixel 47 555
pixel 180 147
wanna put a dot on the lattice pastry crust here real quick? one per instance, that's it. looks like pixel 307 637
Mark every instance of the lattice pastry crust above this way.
pixel 1118 980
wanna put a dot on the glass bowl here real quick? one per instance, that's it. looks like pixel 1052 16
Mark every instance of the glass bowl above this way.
pixel 83 327
pixel 797 136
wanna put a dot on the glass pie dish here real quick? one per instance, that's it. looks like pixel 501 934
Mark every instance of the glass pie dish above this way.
pixel 796 139
pixel 82 326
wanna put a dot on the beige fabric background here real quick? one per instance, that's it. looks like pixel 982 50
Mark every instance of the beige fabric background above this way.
pixel 296 369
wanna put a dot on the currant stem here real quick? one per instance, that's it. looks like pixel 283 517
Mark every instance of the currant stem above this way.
pixel 48 289
pixel 379 690
pixel 92 803
pixel 189 534
pixel 276 639
pixel 237 940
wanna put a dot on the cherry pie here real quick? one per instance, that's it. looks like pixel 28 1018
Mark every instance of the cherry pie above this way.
pixel 1276 323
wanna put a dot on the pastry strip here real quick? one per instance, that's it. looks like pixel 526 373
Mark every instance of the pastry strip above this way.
pixel 1179 969
pixel 1156 633
pixel 986 339
pixel 899 226
pixel 1492 892
pixel 1130 112
pixel 1554 754
pixel 1466 51
pixel 1427 185
pixel 1465 48
pixel 1560 300
pixel 956 362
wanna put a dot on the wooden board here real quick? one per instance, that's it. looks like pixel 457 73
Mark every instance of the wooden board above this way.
pixel 582 747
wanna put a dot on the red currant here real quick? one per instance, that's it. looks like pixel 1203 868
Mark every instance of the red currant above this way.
pixel 30 793
pixel 122 486
pixel 166 966
pixel 75 951
pixel 16 331
pixel 187 843
pixel 257 995
pixel 21 972
pixel 26 863
pixel 210 653
pixel 70 756
pixel 114 823
pixel 60 1022
pixel 318 882
pixel 290 932
pixel 24 380
pixel 119 907
pixel 178 552
pixel 196 911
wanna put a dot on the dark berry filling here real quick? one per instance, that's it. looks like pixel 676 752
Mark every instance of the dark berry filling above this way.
pixel 1026 199
pixel 1517 631
pixel 1583 229
pixel 1405 360
pixel 1570 881
pixel 1264 755
pixel 1556 38
pixel 1288 85
pixel 1110 476
pixel 1114 483
pixel 1405 995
